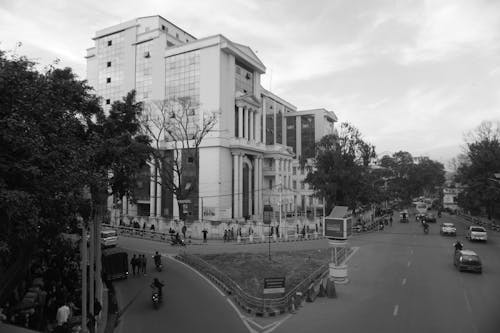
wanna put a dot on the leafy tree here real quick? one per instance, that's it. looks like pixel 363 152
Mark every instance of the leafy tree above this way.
pixel 340 168
pixel 56 143
pixel 177 127
pixel 482 148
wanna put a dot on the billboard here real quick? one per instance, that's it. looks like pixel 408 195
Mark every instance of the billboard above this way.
pixel 338 225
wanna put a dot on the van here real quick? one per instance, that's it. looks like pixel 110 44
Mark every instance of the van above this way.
pixel 109 238
pixel 114 264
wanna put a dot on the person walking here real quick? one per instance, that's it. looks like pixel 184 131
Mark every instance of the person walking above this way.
pixel 205 231
pixel 184 229
pixel 133 263
pixel 144 262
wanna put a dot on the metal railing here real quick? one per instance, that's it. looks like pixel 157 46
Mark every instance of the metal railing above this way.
pixel 488 224
pixel 249 301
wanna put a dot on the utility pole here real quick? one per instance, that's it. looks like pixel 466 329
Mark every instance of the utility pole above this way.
pixel 83 254
pixel 279 223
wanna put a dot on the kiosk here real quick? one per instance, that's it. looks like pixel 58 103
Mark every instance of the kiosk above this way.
pixel 338 228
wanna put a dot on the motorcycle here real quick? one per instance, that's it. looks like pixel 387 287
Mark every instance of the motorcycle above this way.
pixel 155 297
pixel 426 230
pixel 159 267
pixel 179 242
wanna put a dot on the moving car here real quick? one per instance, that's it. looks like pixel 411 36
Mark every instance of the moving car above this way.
pixel 430 218
pixel 448 229
pixel 109 238
pixel 403 216
pixel 467 260
pixel 476 232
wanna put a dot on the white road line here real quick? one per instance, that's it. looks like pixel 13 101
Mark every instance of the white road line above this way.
pixel 403 282
pixel 243 319
pixel 469 307
pixel 203 276
pixel 396 309
pixel 277 324
pixel 409 263
pixel 411 251
pixel 354 250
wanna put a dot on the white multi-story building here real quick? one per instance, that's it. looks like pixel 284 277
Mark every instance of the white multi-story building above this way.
pixel 245 161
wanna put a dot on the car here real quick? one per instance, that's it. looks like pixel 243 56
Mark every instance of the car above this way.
pixel 448 229
pixel 109 238
pixel 467 260
pixel 430 218
pixel 403 216
pixel 476 232
pixel 420 217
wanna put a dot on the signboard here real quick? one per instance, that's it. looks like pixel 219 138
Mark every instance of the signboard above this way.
pixel 338 225
pixel 274 285
pixel 187 201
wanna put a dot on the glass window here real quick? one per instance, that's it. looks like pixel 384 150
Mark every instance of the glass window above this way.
pixel 243 79
pixel 110 42
pixel 108 64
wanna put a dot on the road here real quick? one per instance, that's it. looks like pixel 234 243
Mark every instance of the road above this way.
pixel 404 281
pixel 400 281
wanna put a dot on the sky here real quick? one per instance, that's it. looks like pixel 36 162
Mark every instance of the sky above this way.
pixel 410 75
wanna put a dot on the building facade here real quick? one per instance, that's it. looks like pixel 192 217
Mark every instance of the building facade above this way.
pixel 246 160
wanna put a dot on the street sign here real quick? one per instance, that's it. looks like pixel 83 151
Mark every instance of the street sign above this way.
pixel 268 214
pixel 338 225
pixel 187 201
pixel 274 285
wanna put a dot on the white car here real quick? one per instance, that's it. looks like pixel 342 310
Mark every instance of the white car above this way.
pixel 448 229
pixel 476 232
pixel 109 237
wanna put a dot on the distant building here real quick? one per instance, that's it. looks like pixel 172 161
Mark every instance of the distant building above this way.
pixel 249 159
pixel 450 198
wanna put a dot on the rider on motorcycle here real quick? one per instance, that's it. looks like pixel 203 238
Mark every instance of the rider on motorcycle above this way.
pixel 458 246
pixel 158 285
pixel 426 225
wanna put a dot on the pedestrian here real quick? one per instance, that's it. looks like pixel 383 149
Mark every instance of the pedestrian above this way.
pixel 390 220
pixel 144 226
pixel 232 233
pixel 133 263
pixel 63 314
pixel 143 264
pixel 225 235
pixel 304 232
pixel 152 227
pixel 184 231
pixel 205 231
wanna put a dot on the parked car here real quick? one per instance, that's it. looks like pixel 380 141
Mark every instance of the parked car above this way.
pixel 467 260
pixel 109 238
pixel 475 232
pixel 430 218
pixel 448 229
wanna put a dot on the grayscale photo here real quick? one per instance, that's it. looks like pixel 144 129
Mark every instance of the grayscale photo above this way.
pixel 250 166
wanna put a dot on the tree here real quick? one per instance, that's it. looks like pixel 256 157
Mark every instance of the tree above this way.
pixel 340 168
pixel 55 143
pixel 482 151
pixel 177 127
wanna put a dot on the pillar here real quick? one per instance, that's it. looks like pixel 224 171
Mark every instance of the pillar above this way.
pixel 251 132
pixel 246 112
pixel 240 185
pixel 158 197
pixel 240 121
pixel 152 191
pixel 236 183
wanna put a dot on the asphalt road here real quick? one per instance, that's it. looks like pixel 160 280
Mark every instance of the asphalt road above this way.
pixel 404 281
pixel 401 280
pixel 190 304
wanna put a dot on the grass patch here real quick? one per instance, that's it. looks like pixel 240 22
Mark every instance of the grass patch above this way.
pixel 248 270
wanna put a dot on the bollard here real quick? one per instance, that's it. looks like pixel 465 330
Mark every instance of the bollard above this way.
pixel 330 289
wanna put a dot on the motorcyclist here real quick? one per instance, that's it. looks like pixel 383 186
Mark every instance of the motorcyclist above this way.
pixel 426 225
pixel 157 258
pixel 178 239
pixel 458 246
pixel 158 285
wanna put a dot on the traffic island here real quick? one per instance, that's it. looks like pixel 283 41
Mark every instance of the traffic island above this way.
pixel 244 275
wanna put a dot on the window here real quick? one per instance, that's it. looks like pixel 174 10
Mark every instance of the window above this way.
pixel 177 36
pixel 270 184
pixel 302 185
pixel 294 185
pixel 163 27
pixel 147 54
pixel 110 42
pixel 108 64
pixel 108 101
pixel 294 170
pixel 190 160
pixel 108 80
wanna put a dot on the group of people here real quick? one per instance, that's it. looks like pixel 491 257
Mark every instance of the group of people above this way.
pixel 138 264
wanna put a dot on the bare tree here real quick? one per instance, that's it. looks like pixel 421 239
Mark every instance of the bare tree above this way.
pixel 177 127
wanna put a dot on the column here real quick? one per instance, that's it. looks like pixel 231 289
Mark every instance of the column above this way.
pixel 257 126
pixel 152 191
pixel 251 136
pixel 236 183
pixel 246 113
pixel 261 187
pixel 240 185
pixel 264 121
pixel 240 121
pixel 256 185
pixel 124 205
pixel 158 197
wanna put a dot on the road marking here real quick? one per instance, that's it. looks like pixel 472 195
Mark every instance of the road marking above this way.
pixel 469 307
pixel 396 309
pixel 411 250
pixel 409 263
pixel 203 276
pixel 278 323
pixel 243 319
pixel 354 250
pixel 403 282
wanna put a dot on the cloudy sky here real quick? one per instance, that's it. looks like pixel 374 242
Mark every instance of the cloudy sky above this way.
pixel 411 75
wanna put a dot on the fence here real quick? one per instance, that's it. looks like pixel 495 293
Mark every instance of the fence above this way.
pixel 488 224
pixel 248 302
